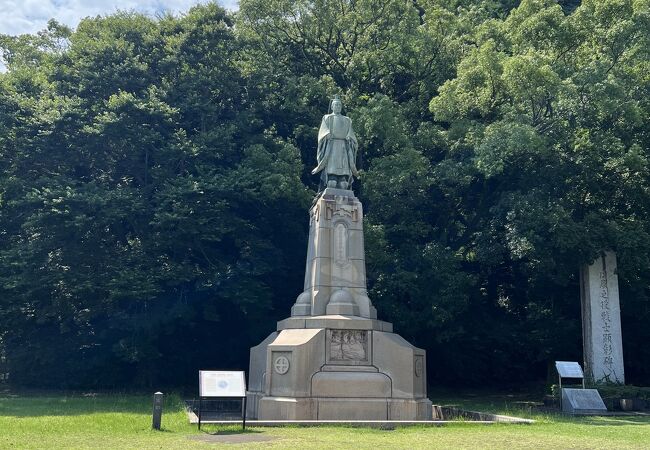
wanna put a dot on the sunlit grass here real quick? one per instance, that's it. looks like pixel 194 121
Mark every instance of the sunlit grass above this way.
pixel 124 421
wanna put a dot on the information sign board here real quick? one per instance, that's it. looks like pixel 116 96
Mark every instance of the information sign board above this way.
pixel 222 384
pixel 568 369
pixel 213 383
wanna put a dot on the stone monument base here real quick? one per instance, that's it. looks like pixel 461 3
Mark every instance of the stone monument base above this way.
pixel 332 408
pixel 337 367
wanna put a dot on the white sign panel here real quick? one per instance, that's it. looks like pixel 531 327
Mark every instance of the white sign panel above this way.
pixel 213 383
pixel 569 369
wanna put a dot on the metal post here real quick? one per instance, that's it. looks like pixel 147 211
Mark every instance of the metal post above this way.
pixel 200 404
pixel 560 378
pixel 243 409
pixel 157 410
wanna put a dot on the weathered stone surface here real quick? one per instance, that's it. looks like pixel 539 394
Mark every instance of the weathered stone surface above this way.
pixel 344 409
pixel 328 364
pixel 335 321
pixel 397 359
pixel 302 307
pixel 257 364
pixel 322 242
pixel 582 401
pixel 401 409
pixel 350 384
pixel 332 408
pixel 601 321
pixel 300 348
pixel 342 302
pixel 365 305
pixel 348 368
pixel 281 408
pixel 353 409
pixel 252 403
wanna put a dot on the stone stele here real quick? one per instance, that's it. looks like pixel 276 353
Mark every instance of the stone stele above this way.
pixel 332 359
pixel 601 321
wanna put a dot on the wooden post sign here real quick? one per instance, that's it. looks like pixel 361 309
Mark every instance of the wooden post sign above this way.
pixel 222 384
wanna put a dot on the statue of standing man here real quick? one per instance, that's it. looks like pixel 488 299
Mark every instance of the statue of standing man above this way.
pixel 337 149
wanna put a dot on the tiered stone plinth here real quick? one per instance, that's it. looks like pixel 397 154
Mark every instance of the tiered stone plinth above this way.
pixel 333 359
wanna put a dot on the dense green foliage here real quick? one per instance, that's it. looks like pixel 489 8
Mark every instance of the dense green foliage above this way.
pixel 154 181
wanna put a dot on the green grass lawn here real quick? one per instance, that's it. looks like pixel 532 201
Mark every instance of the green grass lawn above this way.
pixel 124 421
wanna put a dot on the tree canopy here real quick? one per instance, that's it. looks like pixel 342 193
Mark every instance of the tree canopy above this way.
pixel 155 181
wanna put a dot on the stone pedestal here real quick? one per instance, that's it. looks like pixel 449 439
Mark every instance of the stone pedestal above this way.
pixel 335 273
pixel 601 321
pixel 332 359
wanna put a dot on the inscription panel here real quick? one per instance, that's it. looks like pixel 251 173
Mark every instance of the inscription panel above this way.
pixel 582 401
pixel 219 383
pixel 602 341
pixel 340 250
pixel 568 369
pixel 351 347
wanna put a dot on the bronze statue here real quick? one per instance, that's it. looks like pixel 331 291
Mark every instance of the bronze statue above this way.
pixel 337 149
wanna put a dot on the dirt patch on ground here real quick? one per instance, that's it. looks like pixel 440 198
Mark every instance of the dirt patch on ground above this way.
pixel 232 438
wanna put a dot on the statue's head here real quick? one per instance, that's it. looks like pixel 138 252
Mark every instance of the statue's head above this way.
pixel 337 105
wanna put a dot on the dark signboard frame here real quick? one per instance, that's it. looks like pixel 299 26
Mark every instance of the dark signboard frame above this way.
pixel 223 390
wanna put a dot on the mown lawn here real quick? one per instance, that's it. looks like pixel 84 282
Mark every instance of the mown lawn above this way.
pixel 123 421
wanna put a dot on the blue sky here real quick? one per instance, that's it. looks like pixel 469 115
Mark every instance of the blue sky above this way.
pixel 30 16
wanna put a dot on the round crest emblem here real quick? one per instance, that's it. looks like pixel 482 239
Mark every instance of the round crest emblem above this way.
pixel 281 365
pixel 418 367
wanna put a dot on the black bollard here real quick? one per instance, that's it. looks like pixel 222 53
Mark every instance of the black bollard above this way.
pixel 157 410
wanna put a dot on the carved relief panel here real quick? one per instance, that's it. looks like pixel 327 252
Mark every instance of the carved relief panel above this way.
pixel 341 209
pixel 348 347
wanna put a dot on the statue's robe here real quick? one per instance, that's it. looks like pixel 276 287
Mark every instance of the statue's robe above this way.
pixel 337 147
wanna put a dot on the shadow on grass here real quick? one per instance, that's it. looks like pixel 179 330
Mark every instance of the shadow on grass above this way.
pixel 616 421
pixel 17 405
pixel 232 436
pixel 230 432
